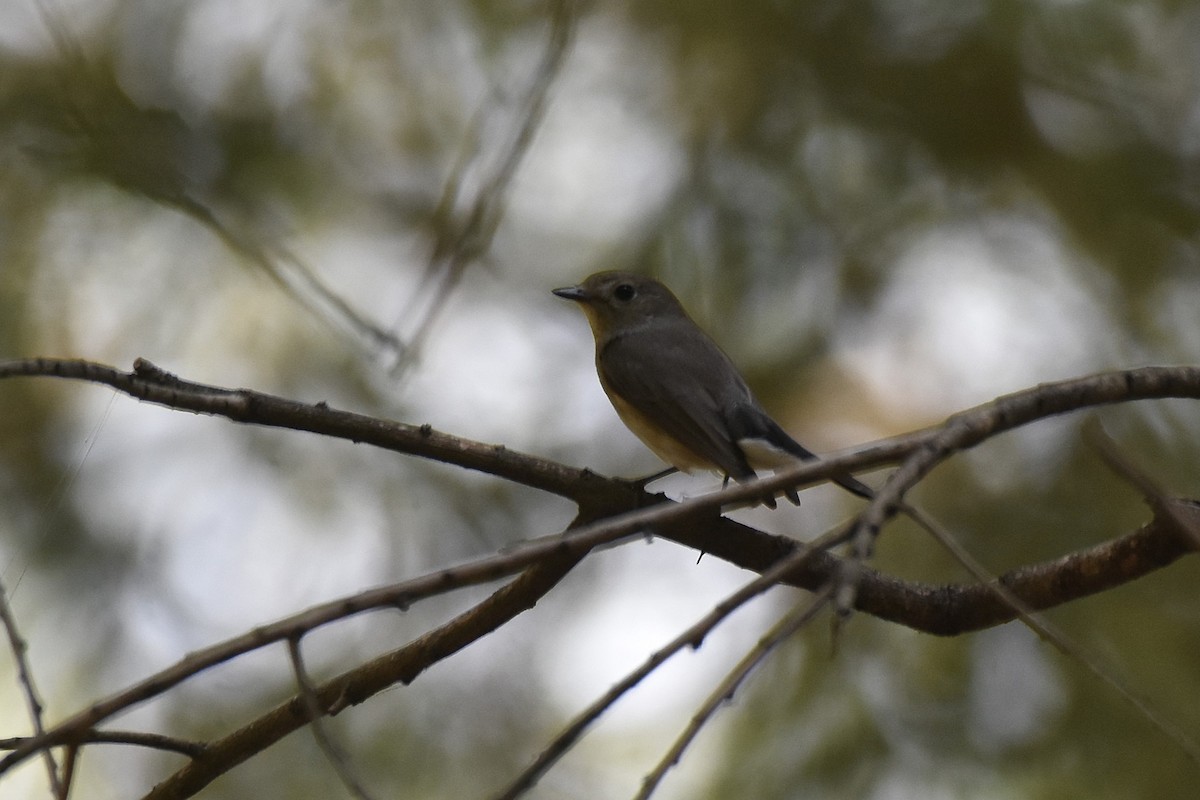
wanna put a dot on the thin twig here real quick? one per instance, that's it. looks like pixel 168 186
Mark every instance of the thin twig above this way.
pixel 301 282
pixel 791 622
pixel 399 595
pixel 1061 641
pixel 168 184
pixel 316 714
pixel 70 761
pixel 20 650
pixel 473 238
pixel 692 637
pixel 402 665
pixel 1183 513
pixel 153 741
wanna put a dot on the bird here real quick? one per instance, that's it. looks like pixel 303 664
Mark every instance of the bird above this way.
pixel 676 389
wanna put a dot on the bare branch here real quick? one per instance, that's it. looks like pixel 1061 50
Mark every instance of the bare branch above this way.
pixel 152 741
pixel 115 141
pixel 1067 646
pixel 402 665
pixel 33 701
pixel 463 244
pixel 1083 573
pixel 973 426
pixel 1184 514
pixel 149 383
pixel 297 280
pixel 791 622
pixel 315 721
pixel 691 637
pixel 962 431
pixel 68 771
pixel 944 610
pixel 568 549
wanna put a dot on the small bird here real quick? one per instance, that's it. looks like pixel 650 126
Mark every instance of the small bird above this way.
pixel 675 388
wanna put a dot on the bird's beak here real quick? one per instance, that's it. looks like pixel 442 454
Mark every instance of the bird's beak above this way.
pixel 576 293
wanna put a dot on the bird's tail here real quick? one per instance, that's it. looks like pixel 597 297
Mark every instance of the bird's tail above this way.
pixel 768 446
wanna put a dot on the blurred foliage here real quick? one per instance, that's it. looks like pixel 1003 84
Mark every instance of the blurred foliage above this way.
pixel 223 189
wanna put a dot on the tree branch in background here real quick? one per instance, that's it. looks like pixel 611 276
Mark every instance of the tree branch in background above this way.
pixel 145 151
pixel 463 241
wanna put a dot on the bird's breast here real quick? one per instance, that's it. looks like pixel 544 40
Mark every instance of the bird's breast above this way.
pixel 653 436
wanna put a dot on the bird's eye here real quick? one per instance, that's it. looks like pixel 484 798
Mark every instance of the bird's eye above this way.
pixel 624 292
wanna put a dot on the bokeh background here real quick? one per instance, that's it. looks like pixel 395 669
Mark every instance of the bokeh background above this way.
pixel 886 211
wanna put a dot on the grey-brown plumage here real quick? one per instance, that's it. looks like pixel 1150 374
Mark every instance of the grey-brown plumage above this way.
pixel 674 387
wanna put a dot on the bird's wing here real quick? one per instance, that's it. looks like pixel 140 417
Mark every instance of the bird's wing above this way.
pixel 761 439
pixel 679 380
pixel 748 422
